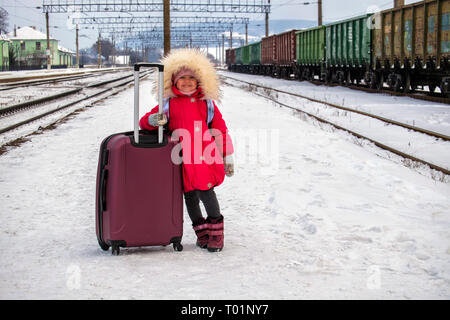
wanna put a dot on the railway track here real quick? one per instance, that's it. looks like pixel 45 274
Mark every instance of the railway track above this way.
pixel 434 135
pixel 43 79
pixel 415 94
pixel 87 93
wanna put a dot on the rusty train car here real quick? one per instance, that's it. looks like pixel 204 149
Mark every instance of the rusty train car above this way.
pixel 411 47
pixel 402 48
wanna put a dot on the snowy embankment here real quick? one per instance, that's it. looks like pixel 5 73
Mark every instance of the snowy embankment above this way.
pixel 427 115
pixel 309 214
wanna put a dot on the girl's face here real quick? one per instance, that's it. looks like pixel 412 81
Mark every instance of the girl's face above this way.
pixel 186 83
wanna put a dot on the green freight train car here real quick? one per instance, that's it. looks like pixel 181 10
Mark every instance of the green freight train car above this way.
pixel 245 54
pixel 255 52
pixel 238 59
pixel 255 57
pixel 310 52
pixel 248 58
pixel 348 49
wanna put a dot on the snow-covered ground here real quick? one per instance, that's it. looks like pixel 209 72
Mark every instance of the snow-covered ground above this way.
pixel 311 213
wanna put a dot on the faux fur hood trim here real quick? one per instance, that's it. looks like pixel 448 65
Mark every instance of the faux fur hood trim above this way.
pixel 196 61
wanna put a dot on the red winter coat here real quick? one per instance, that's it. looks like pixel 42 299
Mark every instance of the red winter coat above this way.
pixel 202 160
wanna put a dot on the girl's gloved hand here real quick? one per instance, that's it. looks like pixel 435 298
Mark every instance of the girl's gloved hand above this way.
pixel 157 119
pixel 229 165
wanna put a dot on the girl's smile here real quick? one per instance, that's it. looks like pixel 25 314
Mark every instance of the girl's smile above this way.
pixel 186 83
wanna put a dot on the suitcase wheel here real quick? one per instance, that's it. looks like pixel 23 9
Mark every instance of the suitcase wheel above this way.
pixel 115 250
pixel 115 246
pixel 177 246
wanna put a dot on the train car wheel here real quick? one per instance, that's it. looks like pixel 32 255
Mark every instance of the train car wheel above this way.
pixel 340 77
pixel 349 80
pixel 380 83
pixel 407 83
pixel 445 86
pixel 394 82
pixel 432 88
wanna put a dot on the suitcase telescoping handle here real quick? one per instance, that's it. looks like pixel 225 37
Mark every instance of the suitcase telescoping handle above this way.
pixel 137 67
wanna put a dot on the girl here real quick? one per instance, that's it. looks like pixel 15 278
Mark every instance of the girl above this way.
pixel 190 86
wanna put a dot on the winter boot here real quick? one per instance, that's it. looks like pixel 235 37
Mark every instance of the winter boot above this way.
pixel 215 241
pixel 201 230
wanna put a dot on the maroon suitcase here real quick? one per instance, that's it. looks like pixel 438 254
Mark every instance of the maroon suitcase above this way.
pixel 139 198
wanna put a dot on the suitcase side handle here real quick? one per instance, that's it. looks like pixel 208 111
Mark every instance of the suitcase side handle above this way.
pixel 137 67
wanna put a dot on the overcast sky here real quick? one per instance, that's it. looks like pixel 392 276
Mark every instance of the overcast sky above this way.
pixel 24 13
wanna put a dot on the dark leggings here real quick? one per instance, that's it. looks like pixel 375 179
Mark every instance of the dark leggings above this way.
pixel 209 199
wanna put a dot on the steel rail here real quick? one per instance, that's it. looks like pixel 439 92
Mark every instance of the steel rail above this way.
pixel 38 82
pixel 30 103
pixel 414 94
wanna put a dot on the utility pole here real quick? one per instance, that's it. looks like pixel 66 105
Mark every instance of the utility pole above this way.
pixel 399 3
pixel 319 5
pixel 267 22
pixel 113 51
pixel 223 48
pixel 76 43
pixel 166 10
pixel 99 51
pixel 231 37
pixel 49 61
pixel 246 34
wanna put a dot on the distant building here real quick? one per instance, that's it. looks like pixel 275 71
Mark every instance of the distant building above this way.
pixel 120 60
pixel 65 56
pixel 29 47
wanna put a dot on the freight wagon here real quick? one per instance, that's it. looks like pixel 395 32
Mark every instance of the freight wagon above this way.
pixel 230 58
pixel 278 54
pixel 310 52
pixel 347 50
pixel 267 55
pixel 412 47
pixel 255 57
pixel 246 59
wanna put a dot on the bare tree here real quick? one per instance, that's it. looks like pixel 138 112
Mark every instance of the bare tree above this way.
pixel 107 48
pixel 3 20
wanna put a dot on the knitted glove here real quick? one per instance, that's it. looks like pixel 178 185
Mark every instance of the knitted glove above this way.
pixel 157 119
pixel 229 165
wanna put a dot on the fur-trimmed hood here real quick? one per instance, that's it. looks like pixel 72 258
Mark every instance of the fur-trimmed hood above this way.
pixel 196 61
